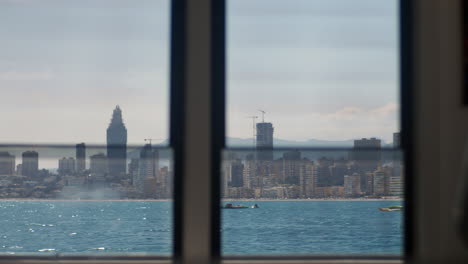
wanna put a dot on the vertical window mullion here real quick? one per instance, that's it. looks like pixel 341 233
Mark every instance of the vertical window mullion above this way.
pixel 196 153
pixel 218 64
pixel 177 117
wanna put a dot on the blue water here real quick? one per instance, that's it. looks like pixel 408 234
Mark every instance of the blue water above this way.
pixel 277 227
pixel 86 226
pixel 313 227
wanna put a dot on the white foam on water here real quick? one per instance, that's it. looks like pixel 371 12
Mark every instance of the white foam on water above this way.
pixel 46 249
pixel 100 248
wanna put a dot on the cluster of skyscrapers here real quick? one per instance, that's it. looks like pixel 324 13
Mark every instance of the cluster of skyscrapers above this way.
pixel 106 173
pixel 366 170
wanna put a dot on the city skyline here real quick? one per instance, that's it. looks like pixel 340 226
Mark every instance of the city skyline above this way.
pixel 116 146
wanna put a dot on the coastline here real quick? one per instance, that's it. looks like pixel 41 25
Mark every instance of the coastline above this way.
pixel 317 199
pixel 222 200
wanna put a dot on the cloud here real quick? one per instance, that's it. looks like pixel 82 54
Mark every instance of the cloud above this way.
pixel 350 113
pixel 387 109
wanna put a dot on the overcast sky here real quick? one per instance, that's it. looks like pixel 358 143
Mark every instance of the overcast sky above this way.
pixel 320 69
pixel 324 69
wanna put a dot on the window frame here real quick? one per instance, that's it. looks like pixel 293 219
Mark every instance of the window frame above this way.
pixel 197 137
pixel 217 129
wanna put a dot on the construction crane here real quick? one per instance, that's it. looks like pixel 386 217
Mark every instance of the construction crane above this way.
pixel 263 115
pixel 253 128
pixel 150 140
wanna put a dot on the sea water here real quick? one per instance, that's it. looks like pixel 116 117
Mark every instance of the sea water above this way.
pixel 276 228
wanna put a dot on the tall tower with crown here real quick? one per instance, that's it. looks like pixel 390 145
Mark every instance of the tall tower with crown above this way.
pixel 117 145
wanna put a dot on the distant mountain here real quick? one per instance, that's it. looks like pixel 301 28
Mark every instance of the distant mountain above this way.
pixel 277 142
pixel 248 142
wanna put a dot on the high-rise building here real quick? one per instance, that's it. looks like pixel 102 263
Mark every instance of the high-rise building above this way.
pixel 397 155
pixel 233 174
pixel 291 167
pixel 337 172
pixel 367 154
pixel 66 166
pixel 7 163
pixel 352 185
pixel 265 141
pixel 308 179
pixel 117 145
pixel 165 181
pixel 396 186
pixel 236 170
pixel 133 168
pixel 30 163
pixel 249 174
pixel 148 166
pixel 80 157
pixel 98 164
pixel 379 182
pixel 367 149
pixel 323 172
pixel 369 183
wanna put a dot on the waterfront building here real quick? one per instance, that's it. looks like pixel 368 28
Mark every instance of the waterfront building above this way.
pixel 323 172
pixel 379 182
pixel 270 193
pixel 239 192
pixel 249 174
pixel 369 183
pixel 165 182
pixel 133 169
pixel 80 157
pixel 235 171
pixel 30 161
pixel 367 150
pixel 264 141
pixel 98 164
pixel 117 145
pixel 308 179
pixel 276 172
pixel 330 192
pixel 7 163
pixel 396 186
pixel 291 191
pixel 352 185
pixel 388 170
pixel 367 154
pixel 66 166
pixel 226 176
pixel 291 167
pixel 229 172
pixel 337 172
pixel 150 187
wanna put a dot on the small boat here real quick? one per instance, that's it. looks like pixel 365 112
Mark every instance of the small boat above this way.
pixel 230 206
pixel 392 208
pixel 254 206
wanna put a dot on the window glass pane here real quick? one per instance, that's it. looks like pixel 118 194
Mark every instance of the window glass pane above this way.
pixel 325 72
pixel 84 162
pixel 312 129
